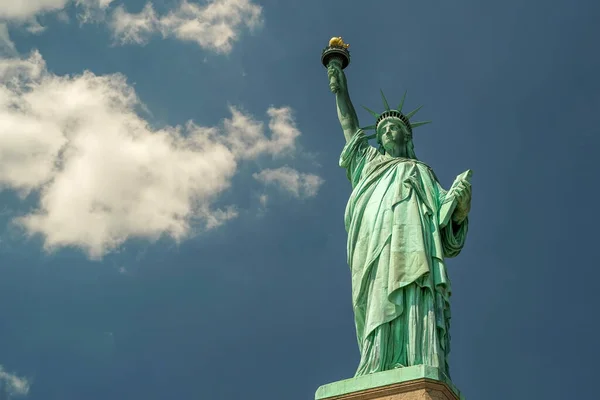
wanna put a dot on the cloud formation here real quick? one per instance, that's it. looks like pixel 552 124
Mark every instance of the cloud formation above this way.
pixel 104 175
pixel 23 10
pixel 214 26
pixel 6 44
pixel 300 185
pixel 13 384
pixel 246 137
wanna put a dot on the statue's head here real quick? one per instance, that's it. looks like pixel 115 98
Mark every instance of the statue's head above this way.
pixel 394 130
pixel 394 137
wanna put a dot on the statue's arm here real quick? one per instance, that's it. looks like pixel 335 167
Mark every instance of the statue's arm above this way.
pixel 345 109
pixel 346 115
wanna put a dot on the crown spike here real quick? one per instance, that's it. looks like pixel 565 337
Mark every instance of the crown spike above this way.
pixel 420 123
pixel 402 102
pixel 373 113
pixel 385 102
pixel 413 112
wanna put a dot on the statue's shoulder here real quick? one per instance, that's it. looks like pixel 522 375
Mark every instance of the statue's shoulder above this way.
pixel 426 168
pixel 420 164
pixel 423 165
pixel 359 143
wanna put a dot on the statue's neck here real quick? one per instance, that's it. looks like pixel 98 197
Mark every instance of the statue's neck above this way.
pixel 397 153
pixel 403 151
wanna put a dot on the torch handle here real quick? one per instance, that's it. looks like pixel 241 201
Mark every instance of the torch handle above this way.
pixel 333 81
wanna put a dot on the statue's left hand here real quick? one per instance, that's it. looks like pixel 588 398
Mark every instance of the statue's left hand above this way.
pixel 462 193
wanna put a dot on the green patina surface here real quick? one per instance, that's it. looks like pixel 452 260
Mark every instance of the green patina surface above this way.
pixel 402 225
pixel 385 378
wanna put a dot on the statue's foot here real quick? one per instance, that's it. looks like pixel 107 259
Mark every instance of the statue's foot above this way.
pixel 398 365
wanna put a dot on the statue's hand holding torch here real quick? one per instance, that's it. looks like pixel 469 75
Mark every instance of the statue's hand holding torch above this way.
pixel 335 58
pixel 337 78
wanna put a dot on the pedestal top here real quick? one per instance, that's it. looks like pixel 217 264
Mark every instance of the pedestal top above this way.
pixel 385 378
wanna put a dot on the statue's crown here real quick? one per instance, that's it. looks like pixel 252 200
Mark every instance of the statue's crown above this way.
pixel 394 113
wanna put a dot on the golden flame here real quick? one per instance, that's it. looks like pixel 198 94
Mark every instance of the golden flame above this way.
pixel 338 42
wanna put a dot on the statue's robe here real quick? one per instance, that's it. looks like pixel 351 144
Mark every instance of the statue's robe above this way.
pixel 396 251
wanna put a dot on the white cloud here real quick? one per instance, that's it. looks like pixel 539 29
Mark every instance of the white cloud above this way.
pixel 34 27
pixel 13 384
pixel 92 10
pixel 23 10
pixel 214 26
pixel 134 28
pixel 297 183
pixel 6 44
pixel 246 137
pixel 63 17
pixel 104 175
pixel 25 13
pixel 263 199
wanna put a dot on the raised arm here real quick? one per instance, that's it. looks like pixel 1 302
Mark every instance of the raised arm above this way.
pixel 345 109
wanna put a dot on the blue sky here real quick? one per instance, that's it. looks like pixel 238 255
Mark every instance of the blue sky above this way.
pixel 172 204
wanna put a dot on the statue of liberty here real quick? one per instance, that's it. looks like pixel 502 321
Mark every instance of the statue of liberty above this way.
pixel 401 227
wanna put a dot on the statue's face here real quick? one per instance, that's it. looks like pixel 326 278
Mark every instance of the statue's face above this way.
pixel 393 135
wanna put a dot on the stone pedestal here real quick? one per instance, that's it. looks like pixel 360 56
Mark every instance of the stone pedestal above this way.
pixel 411 383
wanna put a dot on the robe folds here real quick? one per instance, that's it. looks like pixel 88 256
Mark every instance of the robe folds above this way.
pixel 396 250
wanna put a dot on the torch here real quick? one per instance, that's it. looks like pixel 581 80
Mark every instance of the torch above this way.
pixel 336 52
